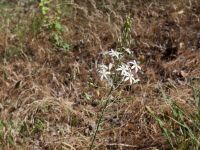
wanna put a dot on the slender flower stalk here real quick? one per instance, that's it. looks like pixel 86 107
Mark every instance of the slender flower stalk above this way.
pixel 101 117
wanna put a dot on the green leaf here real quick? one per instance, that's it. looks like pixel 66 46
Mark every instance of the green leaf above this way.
pixel 65 46
pixel 58 26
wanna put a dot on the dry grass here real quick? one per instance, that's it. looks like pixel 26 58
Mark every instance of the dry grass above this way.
pixel 51 99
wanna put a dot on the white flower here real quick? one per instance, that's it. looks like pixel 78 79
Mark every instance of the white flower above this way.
pixel 128 50
pixel 103 66
pixel 114 53
pixel 129 76
pixel 123 68
pixel 134 66
pixel 103 71
pixel 104 74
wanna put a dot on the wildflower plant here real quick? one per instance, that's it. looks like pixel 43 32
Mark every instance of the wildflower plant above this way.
pixel 118 70
pixel 118 67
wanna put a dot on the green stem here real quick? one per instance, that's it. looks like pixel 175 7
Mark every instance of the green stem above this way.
pixel 101 117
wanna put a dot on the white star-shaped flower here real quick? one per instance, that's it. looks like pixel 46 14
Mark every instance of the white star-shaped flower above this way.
pixel 134 66
pixel 129 76
pixel 114 53
pixel 104 71
pixel 104 74
pixel 123 68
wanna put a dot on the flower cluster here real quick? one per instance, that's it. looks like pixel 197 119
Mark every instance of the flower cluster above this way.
pixel 127 71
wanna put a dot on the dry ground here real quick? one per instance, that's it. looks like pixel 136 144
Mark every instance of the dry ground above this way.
pixel 51 99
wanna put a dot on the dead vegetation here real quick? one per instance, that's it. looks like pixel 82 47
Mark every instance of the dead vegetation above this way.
pixel 51 98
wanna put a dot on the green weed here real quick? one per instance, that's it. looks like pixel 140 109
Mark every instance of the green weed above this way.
pixel 184 131
pixel 52 21
pixel 44 5
pixel 9 130
pixel 126 40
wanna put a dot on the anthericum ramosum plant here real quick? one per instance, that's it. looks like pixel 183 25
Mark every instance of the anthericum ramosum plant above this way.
pixel 119 68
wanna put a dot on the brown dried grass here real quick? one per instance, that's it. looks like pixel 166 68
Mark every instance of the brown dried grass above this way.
pixel 52 83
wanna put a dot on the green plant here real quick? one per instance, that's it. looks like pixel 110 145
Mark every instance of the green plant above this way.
pixel 183 130
pixel 117 72
pixel 38 126
pixel 125 39
pixel 52 21
pixel 161 123
pixel 44 5
pixel 9 130
pixel 194 84
pixel 56 37
pixel 1 129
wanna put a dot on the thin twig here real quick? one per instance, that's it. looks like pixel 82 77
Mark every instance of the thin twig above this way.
pixel 121 144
